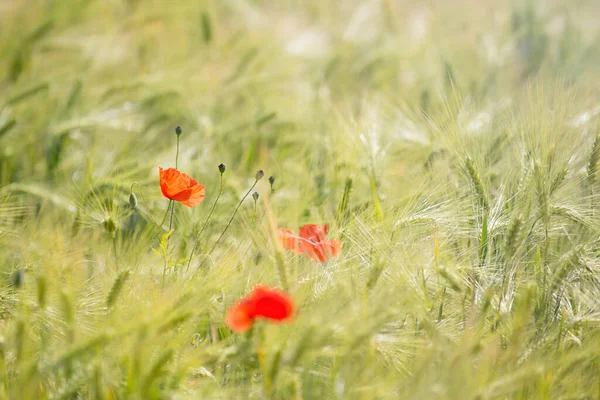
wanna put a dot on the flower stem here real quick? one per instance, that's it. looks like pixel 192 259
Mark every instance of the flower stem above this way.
pixel 166 213
pixel 254 214
pixel 227 226
pixel 177 154
pixel 171 203
pixel 212 210
pixel 172 212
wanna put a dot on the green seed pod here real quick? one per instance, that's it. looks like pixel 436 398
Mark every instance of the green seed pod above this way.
pixel 133 202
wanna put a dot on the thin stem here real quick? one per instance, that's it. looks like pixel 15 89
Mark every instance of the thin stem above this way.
pixel 164 274
pixel 166 213
pixel 155 225
pixel 173 205
pixel 115 251
pixel 227 226
pixel 177 154
pixel 212 210
pixel 172 212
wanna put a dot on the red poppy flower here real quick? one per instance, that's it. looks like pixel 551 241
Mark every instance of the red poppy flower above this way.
pixel 321 251
pixel 314 244
pixel 262 302
pixel 176 185
pixel 314 232
pixel 289 241
pixel 311 242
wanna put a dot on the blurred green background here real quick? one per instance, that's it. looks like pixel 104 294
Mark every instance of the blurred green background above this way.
pixel 451 145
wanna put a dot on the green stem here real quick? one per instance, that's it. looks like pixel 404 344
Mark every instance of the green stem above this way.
pixel 166 213
pixel 173 205
pixel 145 204
pixel 171 219
pixel 177 154
pixel 254 215
pixel 212 210
pixel 226 227
pixel 164 274
pixel 115 251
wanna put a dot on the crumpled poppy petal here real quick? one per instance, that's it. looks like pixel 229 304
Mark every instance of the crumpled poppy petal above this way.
pixel 311 241
pixel 323 251
pixel 198 193
pixel 177 186
pixel 289 241
pixel 314 233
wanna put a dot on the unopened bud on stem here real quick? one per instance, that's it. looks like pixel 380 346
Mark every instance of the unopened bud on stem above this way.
pixel 272 181
pixel 132 200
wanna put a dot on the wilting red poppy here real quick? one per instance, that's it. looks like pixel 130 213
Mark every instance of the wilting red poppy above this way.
pixel 289 241
pixel 315 245
pixel 311 241
pixel 262 302
pixel 322 251
pixel 314 232
pixel 176 185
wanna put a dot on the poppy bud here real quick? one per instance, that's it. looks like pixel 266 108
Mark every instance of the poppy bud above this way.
pixel 272 181
pixel 133 200
pixel 178 131
pixel 259 174
pixel 255 196
pixel 222 168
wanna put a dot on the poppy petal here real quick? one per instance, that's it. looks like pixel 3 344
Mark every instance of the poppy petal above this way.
pixel 262 302
pixel 198 193
pixel 272 304
pixel 176 185
pixel 314 233
pixel 289 241
pixel 240 316
pixel 323 251
pixel 173 182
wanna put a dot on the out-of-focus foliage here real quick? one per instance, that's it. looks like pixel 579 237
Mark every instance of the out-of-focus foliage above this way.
pixel 452 146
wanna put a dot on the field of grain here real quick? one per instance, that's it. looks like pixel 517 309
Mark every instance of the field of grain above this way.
pixel 450 147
